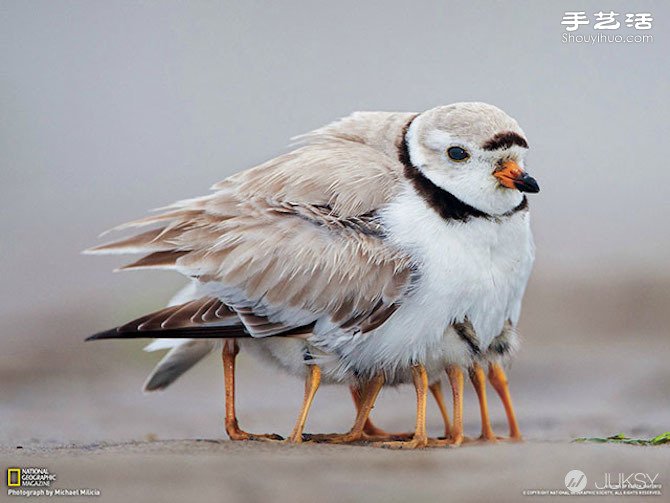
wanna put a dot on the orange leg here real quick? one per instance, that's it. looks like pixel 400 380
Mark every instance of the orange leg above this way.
pixel 456 380
pixel 499 382
pixel 370 431
pixel 311 385
pixel 230 350
pixel 420 438
pixel 369 395
pixel 478 378
pixel 455 375
pixel 436 390
pixel 369 428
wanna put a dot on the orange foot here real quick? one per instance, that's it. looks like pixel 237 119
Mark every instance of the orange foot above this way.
pixel 236 434
pixel 454 441
pixel 339 438
pixel 414 443
pixel 375 434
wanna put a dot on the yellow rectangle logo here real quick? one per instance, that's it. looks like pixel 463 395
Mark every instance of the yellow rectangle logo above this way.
pixel 13 477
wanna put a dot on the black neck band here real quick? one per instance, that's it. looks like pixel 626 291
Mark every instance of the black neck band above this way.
pixel 447 205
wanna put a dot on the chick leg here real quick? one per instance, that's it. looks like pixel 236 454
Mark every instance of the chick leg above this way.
pixel 420 438
pixel 370 431
pixel 436 390
pixel 369 394
pixel 230 350
pixel 478 378
pixel 311 385
pixel 455 439
pixel 369 428
pixel 499 382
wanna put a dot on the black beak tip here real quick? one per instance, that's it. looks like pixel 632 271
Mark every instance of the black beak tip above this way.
pixel 527 184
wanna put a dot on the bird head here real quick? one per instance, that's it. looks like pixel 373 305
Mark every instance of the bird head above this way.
pixel 475 151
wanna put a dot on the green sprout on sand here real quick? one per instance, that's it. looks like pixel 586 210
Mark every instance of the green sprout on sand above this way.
pixel 621 438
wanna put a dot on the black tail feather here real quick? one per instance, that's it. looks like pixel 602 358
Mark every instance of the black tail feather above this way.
pixel 196 319
pixel 229 332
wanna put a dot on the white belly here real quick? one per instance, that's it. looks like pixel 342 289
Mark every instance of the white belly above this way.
pixel 476 269
pixel 292 355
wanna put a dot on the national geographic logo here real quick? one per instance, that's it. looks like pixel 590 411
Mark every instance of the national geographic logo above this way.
pixel 29 477
pixel 13 477
pixel 28 482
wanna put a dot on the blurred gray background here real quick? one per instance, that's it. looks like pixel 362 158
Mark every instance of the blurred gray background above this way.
pixel 109 109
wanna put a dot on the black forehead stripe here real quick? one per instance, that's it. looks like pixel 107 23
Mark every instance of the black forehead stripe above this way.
pixel 505 140
pixel 448 206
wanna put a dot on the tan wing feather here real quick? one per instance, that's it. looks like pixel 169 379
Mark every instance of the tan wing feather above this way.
pixel 297 232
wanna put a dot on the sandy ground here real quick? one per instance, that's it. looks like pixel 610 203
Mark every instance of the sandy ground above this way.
pixel 594 363
pixel 182 470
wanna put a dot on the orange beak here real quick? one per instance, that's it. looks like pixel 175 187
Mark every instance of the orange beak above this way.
pixel 510 175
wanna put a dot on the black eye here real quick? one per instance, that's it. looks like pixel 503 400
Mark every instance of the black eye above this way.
pixel 457 154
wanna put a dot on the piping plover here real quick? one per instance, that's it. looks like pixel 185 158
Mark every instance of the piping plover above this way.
pixel 373 242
